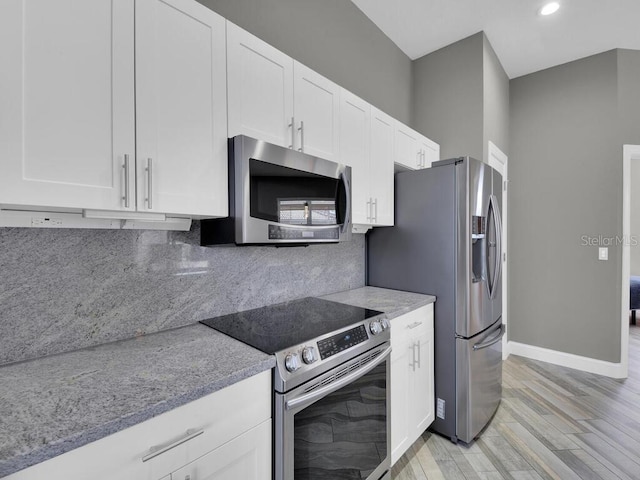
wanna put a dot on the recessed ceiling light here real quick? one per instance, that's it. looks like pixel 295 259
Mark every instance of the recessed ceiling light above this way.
pixel 550 8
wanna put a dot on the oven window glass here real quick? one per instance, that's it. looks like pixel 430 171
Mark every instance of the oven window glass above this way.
pixel 293 197
pixel 343 435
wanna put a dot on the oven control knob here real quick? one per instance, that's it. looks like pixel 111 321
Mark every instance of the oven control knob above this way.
pixel 292 362
pixel 309 355
pixel 385 324
pixel 375 327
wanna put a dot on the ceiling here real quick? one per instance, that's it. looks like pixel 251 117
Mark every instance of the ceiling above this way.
pixel 524 41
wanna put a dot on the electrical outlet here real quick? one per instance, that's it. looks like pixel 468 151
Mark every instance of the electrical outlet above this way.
pixel 603 253
pixel 45 222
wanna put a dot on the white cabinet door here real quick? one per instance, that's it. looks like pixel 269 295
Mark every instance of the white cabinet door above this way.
pixel 355 125
pixel 430 151
pixel 422 395
pixel 246 457
pixel 381 161
pixel 400 392
pixel 260 86
pixel 316 112
pixel 181 108
pixel 67 96
pixel 408 151
pixel 412 378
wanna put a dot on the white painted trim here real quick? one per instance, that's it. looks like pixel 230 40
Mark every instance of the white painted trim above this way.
pixel 497 159
pixel 577 362
pixel 629 152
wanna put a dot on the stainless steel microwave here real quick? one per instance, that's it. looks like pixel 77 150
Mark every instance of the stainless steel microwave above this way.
pixel 281 196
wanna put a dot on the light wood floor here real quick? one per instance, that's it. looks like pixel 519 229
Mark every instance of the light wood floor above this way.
pixel 552 423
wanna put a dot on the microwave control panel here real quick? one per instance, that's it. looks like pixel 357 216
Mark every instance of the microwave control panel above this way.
pixel 278 232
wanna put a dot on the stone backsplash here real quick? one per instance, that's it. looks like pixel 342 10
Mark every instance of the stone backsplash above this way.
pixel 61 290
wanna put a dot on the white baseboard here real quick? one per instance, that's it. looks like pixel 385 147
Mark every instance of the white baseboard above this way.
pixel 586 364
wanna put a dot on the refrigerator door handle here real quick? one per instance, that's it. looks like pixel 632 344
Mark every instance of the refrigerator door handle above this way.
pixel 495 213
pixel 498 223
pixel 501 331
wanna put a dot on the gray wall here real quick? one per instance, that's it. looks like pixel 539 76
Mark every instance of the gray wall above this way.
pixel 334 38
pixel 496 101
pixel 448 97
pixel 461 98
pixel 65 289
pixel 565 171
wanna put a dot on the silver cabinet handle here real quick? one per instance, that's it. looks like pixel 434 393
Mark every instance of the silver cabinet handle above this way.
pixel 369 209
pixel 301 130
pixel 424 159
pixel 414 325
pixel 160 449
pixel 375 210
pixel 419 155
pixel 126 180
pixel 292 126
pixel 149 170
pixel 413 357
pixel 419 354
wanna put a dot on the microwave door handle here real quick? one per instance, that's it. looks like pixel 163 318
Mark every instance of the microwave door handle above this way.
pixel 308 398
pixel 347 189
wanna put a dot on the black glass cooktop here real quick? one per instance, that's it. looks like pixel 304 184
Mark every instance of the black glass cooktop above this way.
pixel 284 325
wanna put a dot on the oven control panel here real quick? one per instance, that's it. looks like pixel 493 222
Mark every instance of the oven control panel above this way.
pixel 337 343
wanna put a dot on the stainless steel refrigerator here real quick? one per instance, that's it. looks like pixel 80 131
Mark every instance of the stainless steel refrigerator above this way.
pixel 447 242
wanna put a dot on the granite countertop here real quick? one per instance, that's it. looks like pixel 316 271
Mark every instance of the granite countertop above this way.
pixel 51 405
pixel 392 302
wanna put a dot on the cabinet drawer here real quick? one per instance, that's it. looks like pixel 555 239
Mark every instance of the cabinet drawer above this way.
pixel 412 324
pixel 222 416
pixel 246 457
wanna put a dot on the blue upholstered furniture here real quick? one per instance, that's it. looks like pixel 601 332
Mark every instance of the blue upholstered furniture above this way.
pixel 634 297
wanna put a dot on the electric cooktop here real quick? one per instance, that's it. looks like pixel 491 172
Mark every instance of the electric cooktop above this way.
pixel 277 327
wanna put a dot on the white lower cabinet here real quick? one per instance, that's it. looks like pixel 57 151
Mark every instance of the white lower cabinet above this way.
pixel 412 378
pixel 225 435
pixel 247 457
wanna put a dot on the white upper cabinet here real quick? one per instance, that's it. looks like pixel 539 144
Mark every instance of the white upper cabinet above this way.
pixel 413 150
pixel 382 149
pixel 72 106
pixel 431 151
pixel 67 96
pixel 278 100
pixel 181 108
pixel 260 89
pixel 366 144
pixel 407 152
pixel 316 113
pixel 355 143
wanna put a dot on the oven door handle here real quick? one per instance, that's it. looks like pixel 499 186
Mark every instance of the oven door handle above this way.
pixel 308 398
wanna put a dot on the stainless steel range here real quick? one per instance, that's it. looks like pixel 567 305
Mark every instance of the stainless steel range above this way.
pixel 331 386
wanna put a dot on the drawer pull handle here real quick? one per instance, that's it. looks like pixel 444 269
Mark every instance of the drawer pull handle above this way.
pixel 160 449
pixel 414 325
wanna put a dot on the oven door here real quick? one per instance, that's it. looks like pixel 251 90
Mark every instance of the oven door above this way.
pixel 336 426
